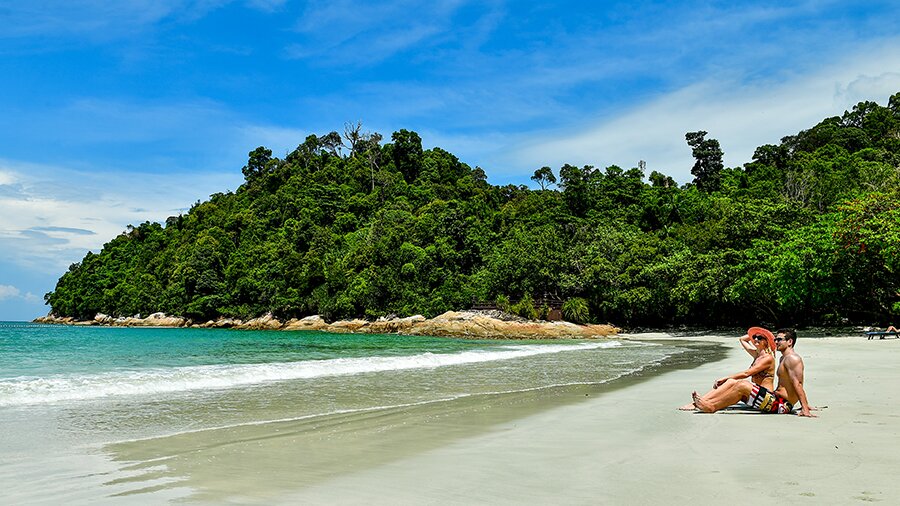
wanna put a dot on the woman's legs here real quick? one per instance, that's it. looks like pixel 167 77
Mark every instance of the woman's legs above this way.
pixel 725 395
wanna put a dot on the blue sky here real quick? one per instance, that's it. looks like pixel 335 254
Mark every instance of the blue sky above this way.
pixel 118 112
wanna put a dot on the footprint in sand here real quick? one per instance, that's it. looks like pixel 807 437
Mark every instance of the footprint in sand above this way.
pixel 867 497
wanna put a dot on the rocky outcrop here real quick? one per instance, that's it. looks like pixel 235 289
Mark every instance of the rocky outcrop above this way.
pixel 52 318
pixel 154 320
pixel 221 323
pixel 346 326
pixel 314 322
pixel 476 325
pixel 469 324
pixel 264 322
pixel 394 325
pixel 102 319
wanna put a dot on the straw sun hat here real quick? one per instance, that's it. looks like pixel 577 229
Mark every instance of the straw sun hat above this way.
pixel 759 331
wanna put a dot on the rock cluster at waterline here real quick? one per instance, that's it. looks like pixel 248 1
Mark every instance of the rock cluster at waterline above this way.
pixel 473 324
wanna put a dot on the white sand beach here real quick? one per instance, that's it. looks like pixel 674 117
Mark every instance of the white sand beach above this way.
pixel 632 446
pixel 624 446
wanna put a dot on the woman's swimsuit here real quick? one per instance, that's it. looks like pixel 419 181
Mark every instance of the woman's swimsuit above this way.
pixel 759 377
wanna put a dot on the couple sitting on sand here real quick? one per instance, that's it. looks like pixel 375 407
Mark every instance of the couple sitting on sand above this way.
pixel 755 386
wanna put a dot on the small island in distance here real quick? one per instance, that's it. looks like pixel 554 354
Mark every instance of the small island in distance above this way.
pixel 350 228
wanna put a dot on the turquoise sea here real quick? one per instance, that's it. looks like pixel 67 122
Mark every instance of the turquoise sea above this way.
pixel 71 397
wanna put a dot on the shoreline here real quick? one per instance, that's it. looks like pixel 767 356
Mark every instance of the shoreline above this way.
pixel 464 324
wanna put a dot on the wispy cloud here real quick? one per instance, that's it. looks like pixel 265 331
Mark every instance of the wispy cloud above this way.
pixel 65 230
pixel 354 33
pixel 97 18
pixel 12 293
pixel 102 20
pixel 741 115
pixel 44 227
pixel 6 178
pixel 8 292
pixel 552 72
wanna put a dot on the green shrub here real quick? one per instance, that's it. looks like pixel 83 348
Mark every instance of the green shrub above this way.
pixel 576 310
pixel 503 303
pixel 525 308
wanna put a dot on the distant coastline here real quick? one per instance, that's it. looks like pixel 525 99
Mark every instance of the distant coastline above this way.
pixel 465 324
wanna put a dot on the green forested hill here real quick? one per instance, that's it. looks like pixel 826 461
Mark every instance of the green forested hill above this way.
pixel 806 232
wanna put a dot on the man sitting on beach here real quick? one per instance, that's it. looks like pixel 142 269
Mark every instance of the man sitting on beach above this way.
pixel 790 385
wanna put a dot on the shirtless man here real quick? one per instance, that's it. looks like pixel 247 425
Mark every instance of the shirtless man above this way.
pixel 790 371
pixel 790 385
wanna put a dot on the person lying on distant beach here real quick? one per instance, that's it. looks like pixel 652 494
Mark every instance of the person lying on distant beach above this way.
pixel 790 385
pixel 760 344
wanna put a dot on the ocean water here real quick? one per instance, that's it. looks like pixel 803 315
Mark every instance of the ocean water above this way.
pixel 71 398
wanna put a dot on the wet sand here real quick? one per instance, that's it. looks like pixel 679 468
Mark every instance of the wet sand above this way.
pixel 622 444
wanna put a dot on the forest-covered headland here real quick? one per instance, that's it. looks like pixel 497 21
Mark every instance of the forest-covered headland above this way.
pixel 351 226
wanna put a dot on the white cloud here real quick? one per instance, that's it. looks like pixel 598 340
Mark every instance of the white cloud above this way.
pixel 9 292
pixel 869 87
pixel 741 116
pixel 6 178
pixel 45 225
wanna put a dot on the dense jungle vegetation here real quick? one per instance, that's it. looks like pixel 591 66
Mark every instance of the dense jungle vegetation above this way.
pixel 807 232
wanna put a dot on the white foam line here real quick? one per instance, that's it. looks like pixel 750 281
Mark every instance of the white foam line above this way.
pixel 387 407
pixel 22 391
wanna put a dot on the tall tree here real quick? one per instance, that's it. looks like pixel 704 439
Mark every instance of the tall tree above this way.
pixel 407 153
pixel 544 177
pixel 575 183
pixel 257 163
pixel 364 143
pixel 708 164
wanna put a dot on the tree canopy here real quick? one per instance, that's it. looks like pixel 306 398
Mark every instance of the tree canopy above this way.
pixel 807 231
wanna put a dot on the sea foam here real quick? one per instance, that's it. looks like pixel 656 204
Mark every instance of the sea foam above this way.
pixel 31 390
